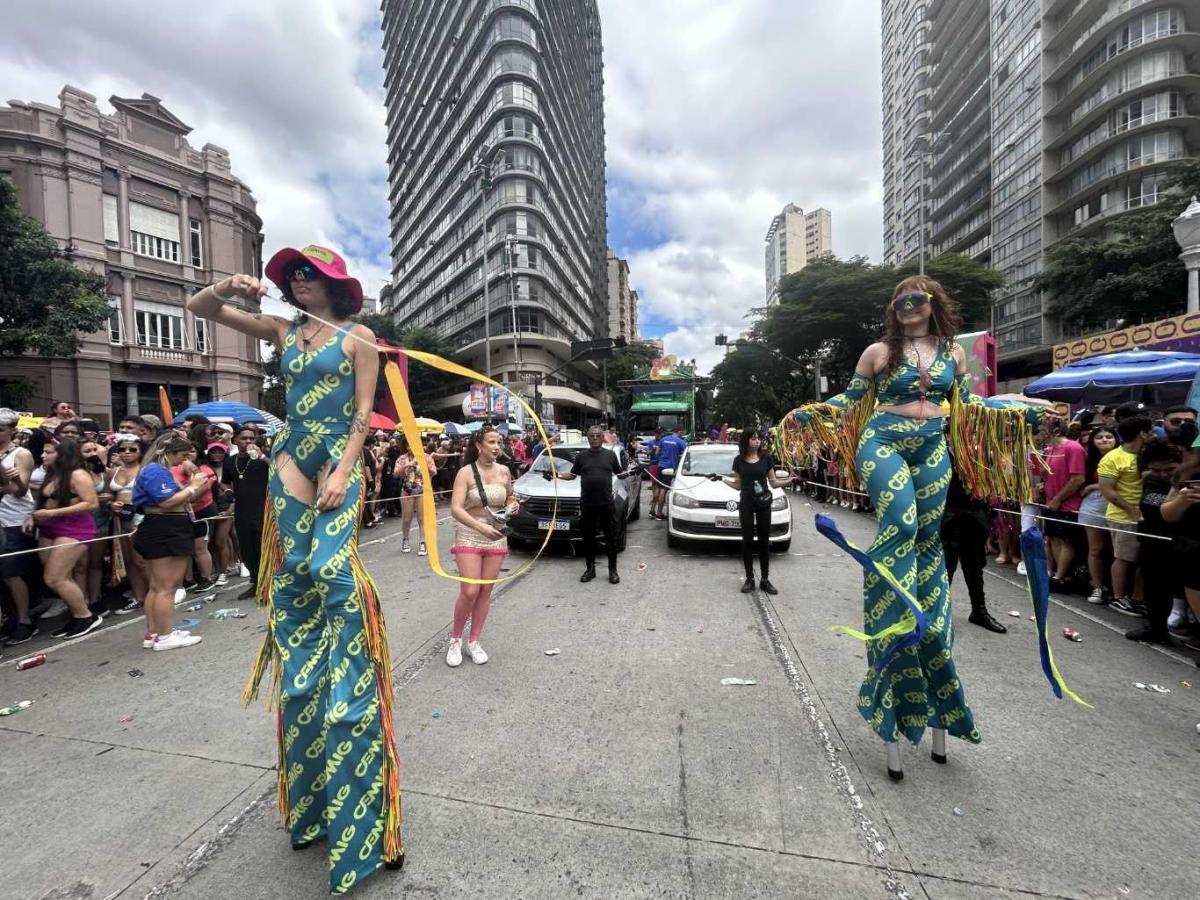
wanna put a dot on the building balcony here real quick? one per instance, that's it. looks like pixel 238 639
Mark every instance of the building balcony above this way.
pixel 1187 41
pixel 1084 39
pixel 136 355
pixel 1188 123
pixel 1110 176
pixel 1187 83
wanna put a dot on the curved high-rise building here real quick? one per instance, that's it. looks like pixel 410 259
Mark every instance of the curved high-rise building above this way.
pixel 495 114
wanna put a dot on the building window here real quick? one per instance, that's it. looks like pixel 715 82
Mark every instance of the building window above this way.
pixel 116 325
pixel 159 325
pixel 112 227
pixel 154 232
pixel 196 236
pixel 202 345
pixel 527 320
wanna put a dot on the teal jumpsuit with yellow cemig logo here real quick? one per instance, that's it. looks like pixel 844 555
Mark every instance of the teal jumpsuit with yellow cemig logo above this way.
pixel 905 468
pixel 339 772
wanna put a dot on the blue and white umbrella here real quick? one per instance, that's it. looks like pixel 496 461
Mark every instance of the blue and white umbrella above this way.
pixel 224 410
pixel 1151 376
pixel 455 430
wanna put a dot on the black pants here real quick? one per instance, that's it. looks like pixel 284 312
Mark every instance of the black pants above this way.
pixel 589 518
pixel 756 524
pixel 1161 570
pixel 249 537
pixel 964 539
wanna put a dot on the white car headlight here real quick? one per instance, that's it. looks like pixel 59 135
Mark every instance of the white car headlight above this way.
pixel 684 501
pixel 780 502
pixel 522 496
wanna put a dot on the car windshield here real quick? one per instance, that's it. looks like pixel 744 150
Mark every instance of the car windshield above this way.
pixel 709 460
pixel 563 461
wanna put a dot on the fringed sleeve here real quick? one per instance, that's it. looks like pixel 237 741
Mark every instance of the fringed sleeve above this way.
pixel 992 441
pixel 834 425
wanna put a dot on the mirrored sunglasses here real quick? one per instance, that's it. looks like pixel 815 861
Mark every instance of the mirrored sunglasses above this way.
pixel 302 272
pixel 912 300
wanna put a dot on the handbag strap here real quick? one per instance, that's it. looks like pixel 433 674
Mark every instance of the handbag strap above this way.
pixel 483 500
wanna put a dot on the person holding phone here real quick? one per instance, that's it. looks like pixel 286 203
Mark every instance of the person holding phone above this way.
pixel 753 478
pixel 481 488
pixel 1182 510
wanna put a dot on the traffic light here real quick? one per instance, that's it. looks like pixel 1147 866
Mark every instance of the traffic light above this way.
pixel 485 179
pixel 722 340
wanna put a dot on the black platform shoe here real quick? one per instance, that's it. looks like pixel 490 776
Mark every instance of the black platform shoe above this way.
pixel 588 574
pixel 981 617
pixel 394 864
pixel 613 577
pixel 896 775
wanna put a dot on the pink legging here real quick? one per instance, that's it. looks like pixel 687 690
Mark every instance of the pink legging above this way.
pixel 474 600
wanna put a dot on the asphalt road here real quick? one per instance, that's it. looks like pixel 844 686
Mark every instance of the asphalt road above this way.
pixel 621 767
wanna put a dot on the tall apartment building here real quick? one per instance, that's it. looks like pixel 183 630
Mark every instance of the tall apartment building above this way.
pixel 794 239
pixel 1075 114
pixel 906 114
pixel 958 149
pixel 513 87
pixel 622 300
pixel 128 197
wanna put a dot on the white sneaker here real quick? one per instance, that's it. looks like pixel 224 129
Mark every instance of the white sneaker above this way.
pixel 148 640
pixel 243 571
pixel 234 569
pixel 454 653
pixel 1096 597
pixel 1021 567
pixel 56 608
pixel 133 606
pixel 180 595
pixel 1176 619
pixel 175 640
pixel 421 551
pixel 222 580
pixel 405 546
pixel 477 655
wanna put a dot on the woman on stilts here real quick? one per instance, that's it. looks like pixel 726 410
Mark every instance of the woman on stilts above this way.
pixel 889 423
pixel 339 772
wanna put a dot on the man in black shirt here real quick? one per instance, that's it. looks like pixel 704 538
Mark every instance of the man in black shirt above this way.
pixel 246 473
pixel 595 468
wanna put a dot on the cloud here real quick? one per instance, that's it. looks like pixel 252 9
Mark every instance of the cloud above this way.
pixel 718 115
pixel 292 88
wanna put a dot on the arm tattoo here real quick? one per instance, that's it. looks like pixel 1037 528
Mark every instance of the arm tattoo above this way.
pixel 359 424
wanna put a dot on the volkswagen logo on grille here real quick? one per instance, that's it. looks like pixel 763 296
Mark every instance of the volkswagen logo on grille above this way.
pixel 732 506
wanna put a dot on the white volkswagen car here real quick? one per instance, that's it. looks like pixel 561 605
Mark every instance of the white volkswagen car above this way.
pixel 700 509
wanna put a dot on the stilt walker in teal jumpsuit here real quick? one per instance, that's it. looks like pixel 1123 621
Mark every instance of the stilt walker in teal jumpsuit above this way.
pixel 338 767
pixel 890 422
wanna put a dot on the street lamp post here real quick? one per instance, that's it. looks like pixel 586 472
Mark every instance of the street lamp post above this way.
pixel 509 244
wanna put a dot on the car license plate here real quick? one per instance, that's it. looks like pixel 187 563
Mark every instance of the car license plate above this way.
pixel 727 522
pixel 559 524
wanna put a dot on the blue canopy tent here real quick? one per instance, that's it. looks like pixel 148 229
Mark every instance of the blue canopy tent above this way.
pixel 454 429
pixel 1151 376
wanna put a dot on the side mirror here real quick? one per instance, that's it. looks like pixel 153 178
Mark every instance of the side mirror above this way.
pixel 668 472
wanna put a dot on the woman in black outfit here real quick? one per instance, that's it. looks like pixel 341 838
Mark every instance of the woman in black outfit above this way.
pixel 754 477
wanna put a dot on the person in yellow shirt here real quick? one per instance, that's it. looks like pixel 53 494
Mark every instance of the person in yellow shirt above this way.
pixel 1121 484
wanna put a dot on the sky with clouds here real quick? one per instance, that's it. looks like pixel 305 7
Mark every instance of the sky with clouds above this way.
pixel 717 115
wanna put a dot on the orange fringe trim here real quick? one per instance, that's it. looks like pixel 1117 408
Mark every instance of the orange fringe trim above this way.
pixel 991 449
pixel 828 429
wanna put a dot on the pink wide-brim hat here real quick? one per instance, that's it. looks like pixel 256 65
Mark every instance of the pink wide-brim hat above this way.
pixel 327 262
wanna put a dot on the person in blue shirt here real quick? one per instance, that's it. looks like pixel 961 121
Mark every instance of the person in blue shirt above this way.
pixel 670 451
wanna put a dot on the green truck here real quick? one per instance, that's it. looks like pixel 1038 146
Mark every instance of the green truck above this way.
pixel 665 403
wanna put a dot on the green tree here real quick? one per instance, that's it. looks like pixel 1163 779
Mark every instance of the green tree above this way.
pixel 45 301
pixel 838 306
pixel 1131 270
pixel 425 383
pixel 755 385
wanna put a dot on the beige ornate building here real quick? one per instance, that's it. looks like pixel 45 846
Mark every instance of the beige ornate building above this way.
pixel 127 196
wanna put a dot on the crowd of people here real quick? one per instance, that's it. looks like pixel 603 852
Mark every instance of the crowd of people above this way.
pixel 1100 487
pixel 135 520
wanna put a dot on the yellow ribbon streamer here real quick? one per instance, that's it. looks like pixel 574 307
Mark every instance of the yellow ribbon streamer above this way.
pixel 408 424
